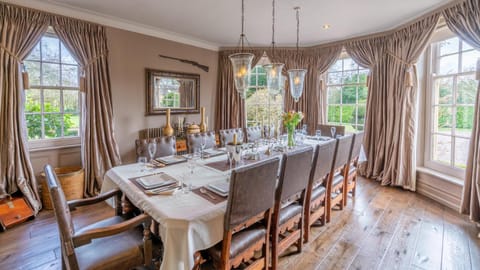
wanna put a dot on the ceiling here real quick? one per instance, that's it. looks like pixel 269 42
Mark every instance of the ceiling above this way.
pixel 216 23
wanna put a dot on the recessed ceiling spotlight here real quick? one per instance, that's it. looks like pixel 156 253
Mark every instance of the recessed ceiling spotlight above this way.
pixel 326 26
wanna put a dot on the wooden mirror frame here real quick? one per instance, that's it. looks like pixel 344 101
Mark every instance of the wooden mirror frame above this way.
pixel 151 110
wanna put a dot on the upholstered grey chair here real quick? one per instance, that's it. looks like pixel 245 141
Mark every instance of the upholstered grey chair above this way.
pixel 226 135
pixel 253 133
pixel 248 216
pixel 287 221
pixel 166 146
pixel 318 185
pixel 113 243
pixel 351 182
pixel 326 130
pixel 194 141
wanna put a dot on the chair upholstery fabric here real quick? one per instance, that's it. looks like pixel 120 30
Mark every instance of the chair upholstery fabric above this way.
pixel 357 142
pixel 296 166
pixel 241 241
pixel 166 146
pixel 254 133
pixel 326 130
pixel 289 212
pixel 194 141
pixel 323 161
pixel 343 151
pixel 226 135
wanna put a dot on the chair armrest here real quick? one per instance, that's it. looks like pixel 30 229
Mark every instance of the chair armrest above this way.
pixel 87 236
pixel 88 201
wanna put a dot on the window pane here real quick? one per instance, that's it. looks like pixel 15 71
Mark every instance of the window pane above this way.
pixel 361 114
pixel 35 53
pixel 70 101
pixel 449 46
pixel 50 49
pixel 448 64
pixel 33 101
pixel 348 115
pixel 33 69
pixel 67 57
pixel 442 149
pixel 262 80
pixel 71 124
pixel 51 100
pixel 461 152
pixel 34 126
pixel 362 76
pixel 333 114
pixel 443 91
pixel 362 94
pixel 334 95
pixel 51 74
pixel 464 121
pixel 350 77
pixel 349 94
pixel 349 64
pixel 466 89
pixel 469 60
pixel 253 79
pixel 334 77
pixel 442 119
pixel 466 46
pixel 53 125
pixel 70 75
pixel 337 66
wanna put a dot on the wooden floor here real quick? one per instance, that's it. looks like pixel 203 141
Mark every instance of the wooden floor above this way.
pixel 382 228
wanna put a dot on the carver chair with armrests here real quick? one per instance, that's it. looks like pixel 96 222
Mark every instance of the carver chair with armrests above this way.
pixel 248 216
pixel 194 141
pixel 351 180
pixel 339 174
pixel 253 133
pixel 326 130
pixel 113 243
pixel 318 185
pixel 166 146
pixel 288 213
pixel 226 135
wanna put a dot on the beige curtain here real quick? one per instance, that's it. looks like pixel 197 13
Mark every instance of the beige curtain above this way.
pixel 464 20
pixel 20 30
pixel 230 107
pixel 88 42
pixel 390 133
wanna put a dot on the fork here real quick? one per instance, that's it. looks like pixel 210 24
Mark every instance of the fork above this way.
pixel 204 191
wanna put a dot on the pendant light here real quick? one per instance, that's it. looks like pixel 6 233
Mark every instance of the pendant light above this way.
pixel 242 62
pixel 274 70
pixel 297 76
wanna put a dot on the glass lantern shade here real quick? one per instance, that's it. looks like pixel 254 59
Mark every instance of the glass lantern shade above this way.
pixel 297 80
pixel 242 66
pixel 274 77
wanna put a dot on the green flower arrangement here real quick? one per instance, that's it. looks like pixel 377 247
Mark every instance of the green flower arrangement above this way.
pixel 290 121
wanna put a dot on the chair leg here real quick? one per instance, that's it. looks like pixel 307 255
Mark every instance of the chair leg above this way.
pixel 306 225
pixel 354 180
pixel 147 244
pixel 274 248
pixel 300 239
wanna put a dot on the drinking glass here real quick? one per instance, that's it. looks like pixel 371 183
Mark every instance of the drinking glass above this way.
pixel 186 185
pixel 230 159
pixel 318 134
pixel 191 163
pixel 143 163
pixel 152 149
pixel 203 143
pixel 333 130
pixel 304 129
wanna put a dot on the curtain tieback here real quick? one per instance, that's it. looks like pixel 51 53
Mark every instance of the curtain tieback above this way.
pixel 25 79
pixel 10 52
pixel 411 70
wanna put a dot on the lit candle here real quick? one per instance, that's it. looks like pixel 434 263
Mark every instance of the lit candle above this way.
pixel 235 139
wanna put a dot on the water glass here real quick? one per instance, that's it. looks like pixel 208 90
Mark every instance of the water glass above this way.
pixel 318 134
pixel 203 143
pixel 191 163
pixel 143 163
pixel 333 130
pixel 186 184
pixel 152 149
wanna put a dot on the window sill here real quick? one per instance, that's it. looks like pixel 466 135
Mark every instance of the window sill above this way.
pixel 441 176
pixel 54 144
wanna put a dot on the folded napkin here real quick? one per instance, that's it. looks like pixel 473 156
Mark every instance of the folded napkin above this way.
pixel 171 159
pixel 221 188
pixel 156 181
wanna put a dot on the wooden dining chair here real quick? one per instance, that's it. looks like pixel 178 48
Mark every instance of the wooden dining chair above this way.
pixel 166 146
pixel 326 130
pixel 226 135
pixel 318 185
pixel 247 218
pixel 253 133
pixel 113 243
pixel 288 213
pixel 339 174
pixel 194 141
pixel 351 180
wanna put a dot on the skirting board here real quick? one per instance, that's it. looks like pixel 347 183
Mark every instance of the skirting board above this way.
pixel 446 192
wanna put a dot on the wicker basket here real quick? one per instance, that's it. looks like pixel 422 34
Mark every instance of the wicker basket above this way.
pixel 72 181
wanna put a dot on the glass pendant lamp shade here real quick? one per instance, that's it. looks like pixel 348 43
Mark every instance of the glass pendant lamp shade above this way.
pixel 242 66
pixel 274 77
pixel 297 80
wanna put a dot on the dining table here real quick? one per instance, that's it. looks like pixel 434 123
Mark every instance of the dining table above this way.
pixel 188 222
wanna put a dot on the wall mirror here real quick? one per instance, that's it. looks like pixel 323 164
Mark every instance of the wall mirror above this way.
pixel 175 90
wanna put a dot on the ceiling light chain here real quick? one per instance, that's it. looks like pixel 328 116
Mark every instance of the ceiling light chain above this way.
pixel 297 9
pixel 297 76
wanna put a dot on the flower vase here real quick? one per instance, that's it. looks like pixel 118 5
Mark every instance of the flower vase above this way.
pixel 290 138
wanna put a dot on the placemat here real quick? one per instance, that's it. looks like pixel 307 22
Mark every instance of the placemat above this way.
pixel 223 165
pixel 134 181
pixel 215 199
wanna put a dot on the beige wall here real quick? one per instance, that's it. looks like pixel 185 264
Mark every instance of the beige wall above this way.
pixel 129 54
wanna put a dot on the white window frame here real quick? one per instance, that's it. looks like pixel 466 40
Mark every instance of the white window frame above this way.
pixel 432 58
pixel 60 142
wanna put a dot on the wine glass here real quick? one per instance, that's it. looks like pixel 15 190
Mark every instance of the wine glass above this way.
pixel 191 163
pixel 203 143
pixel 143 163
pixel 333 130
pixel 152 149
pixel 318 134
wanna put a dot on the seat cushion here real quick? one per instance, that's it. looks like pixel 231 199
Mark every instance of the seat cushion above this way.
pixel 121 251
pixel 317 192
pixel 289 212
pixel 337 179
pixel 240 241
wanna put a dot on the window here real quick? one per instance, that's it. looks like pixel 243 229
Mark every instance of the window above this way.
pixel 168 90
pixel 259 103
pixel 451 109
pixel 347 94
pixel 52 104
